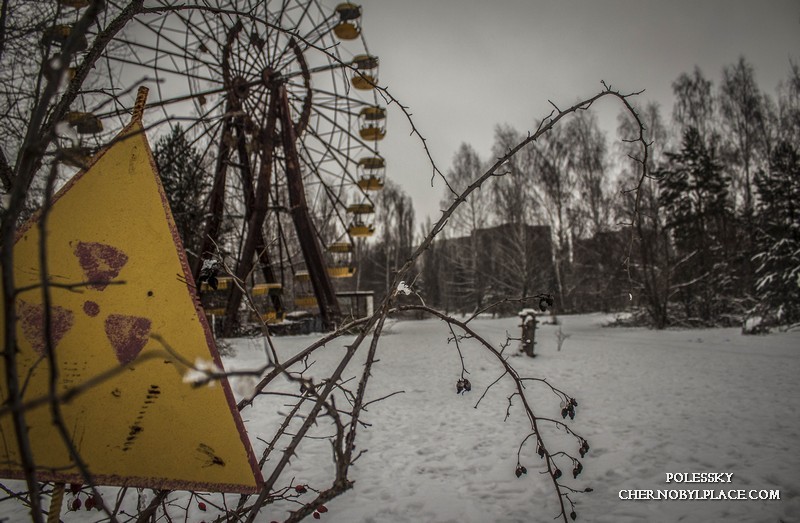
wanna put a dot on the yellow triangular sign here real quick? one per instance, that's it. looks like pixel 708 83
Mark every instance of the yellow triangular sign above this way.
pixel 111 225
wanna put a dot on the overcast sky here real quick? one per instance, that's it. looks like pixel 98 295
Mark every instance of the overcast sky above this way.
pixel 465 66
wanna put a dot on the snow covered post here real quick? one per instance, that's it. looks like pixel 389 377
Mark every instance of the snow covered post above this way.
pixel 528 331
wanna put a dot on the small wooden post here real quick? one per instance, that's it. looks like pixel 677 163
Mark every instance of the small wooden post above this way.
pixel 528 331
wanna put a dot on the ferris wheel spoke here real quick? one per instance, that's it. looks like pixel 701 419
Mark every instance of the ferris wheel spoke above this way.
pixel 113 100
pixel 330 103
pixel 169 101
pixel 289 249
pixel 245 169
pixel 256 60
pixel 231 11
pixel 294 30
pixel 274 34
pixel 316 231
pixel 314 70
pixel 134 52
pixel 148 64
pixel 212 37
pixel 323 22
pixel 341 97
pixel 312 37
pixel 202 120
pixel 235 70
pixel 276 39
pixel 162 51
pixel 283 255
pixel 160 33
pixel 303 14
pixel 345 129
pixel 346 174
pixel 154 65
pixel 261 101
pixel 256 46
pixel 323 101
pixel 203 138
pixel 203 37
pixel 205 135
pixel 232 60
pixel 326 219
pixel 317 161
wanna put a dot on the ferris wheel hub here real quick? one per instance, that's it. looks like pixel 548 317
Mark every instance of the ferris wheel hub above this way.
pixel 240 88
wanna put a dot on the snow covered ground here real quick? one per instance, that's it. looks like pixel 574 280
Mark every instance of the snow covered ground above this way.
pixel 650 403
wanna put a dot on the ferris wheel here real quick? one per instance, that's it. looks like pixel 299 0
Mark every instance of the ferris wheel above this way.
pixel 280 98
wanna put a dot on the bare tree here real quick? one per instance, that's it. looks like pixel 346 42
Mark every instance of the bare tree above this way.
pixel 588 161
pixel 556 184
pixel 695 105
pixel 513 194
pixel 474 213
pixel 789 105
pixel 650 260
pixel 394 223
pixel 516 206
pixel 398 221
pixel 744 114
pixel 468 281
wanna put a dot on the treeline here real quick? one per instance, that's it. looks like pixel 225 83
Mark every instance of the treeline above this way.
pixel 712 235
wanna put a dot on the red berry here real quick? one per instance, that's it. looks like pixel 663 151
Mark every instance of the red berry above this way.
pixel 76 503
pixel 316 515
pixel 201 506
pixel 90 503
pixel 322 508
pixel 300 489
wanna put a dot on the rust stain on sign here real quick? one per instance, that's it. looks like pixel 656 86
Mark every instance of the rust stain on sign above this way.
pixel 31 319
pixel 91 308
pixel 128 335
pixel 144 427
pixel 100 262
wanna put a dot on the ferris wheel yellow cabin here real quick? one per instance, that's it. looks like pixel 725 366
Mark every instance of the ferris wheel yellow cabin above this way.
pixel 372 123
pixel 365 77
pixel 372 170
pixel 361 208
pixel 348 27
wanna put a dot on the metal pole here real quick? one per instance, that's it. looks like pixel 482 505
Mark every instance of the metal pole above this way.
pixel 312 253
